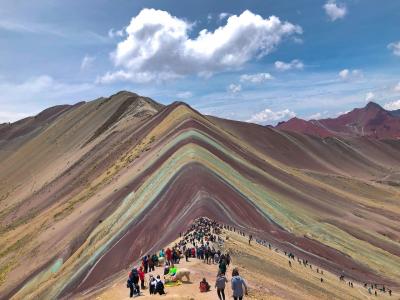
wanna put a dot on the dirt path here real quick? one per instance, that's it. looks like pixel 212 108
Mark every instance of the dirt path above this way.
pixel 267 273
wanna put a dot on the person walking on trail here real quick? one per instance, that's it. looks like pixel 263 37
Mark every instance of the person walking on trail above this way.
pixel 168 255
pixel 238 283
pixel 141 277
pixel 145 263
pixel 150 263
pixel 133 282
pixel 222 266
pixel 220 285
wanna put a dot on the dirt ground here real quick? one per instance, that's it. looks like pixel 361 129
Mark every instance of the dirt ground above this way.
pixel 267 273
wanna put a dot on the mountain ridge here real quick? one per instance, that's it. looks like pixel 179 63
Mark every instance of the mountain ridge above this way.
pixel 370 121
pixel 89 202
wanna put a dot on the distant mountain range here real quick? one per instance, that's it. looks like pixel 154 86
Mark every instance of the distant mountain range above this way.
pixel 371 121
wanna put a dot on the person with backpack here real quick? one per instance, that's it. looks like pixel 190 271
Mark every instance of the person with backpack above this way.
pixel 238 283
pixel 159 286
pixel 220 285
pixel 133 282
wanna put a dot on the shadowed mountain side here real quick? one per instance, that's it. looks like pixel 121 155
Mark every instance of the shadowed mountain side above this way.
pixel 316 197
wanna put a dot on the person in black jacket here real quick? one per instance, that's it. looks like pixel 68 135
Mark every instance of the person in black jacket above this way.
pixel 133 282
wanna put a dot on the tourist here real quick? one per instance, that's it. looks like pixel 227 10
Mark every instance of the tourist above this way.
pixel 204 286
pixel 141 277
pixel 133 282
pixel 220 285
pixel 238 283
pixel 159 286
pixel 150 263
pixel 222 266
pixel 152 285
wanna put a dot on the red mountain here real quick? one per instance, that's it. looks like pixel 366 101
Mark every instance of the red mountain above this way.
pixel 371 120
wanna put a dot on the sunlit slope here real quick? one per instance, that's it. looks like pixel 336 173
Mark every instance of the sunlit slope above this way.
pixel 178 165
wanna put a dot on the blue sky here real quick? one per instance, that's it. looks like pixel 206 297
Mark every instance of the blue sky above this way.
pixel 233 59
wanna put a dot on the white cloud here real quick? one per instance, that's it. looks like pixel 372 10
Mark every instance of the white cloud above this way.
pixel 87 62
pixel 37 86
pixel 335 11
pixel 347 74
pixel 8 116
pixel 315 116
pixel 223 15
pixel 394 105
pixel 234 88
pixel 185 95
pixel 256 78
pixel 22 99
pixel 157 46
pixel 268 116
pixel 24 27
pixel 397 87
pixel 395 47
pixel 295 64
pixel 369 97
pixel 116 33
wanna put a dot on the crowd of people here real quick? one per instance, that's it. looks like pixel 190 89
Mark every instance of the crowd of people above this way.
pixel 203 241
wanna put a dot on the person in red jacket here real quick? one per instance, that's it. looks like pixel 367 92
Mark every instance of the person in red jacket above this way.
pixel 168 254
pixel 141 277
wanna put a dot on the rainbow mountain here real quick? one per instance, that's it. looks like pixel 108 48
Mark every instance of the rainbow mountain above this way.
pixel 86 189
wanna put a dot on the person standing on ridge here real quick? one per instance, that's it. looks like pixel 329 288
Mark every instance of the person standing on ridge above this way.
pixel 238 283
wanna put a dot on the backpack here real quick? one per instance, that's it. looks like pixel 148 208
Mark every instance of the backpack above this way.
pixel 134 276
pixel 159 286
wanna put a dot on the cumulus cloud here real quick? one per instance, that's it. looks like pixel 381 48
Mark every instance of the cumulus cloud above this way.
pixel 268 116
pixel 158 47
pixel 184 95
pixel 87 62
pixel 295 64
pixel 348 75
pixel 369 96
pixel 256 78
pixel 394 105
pixel 234 88
pixel 335 11
pixel 395 47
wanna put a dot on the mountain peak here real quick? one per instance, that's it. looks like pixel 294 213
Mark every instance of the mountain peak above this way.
pixel 373 105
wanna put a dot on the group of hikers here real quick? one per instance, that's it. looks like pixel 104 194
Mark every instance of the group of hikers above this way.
pixel 202 241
